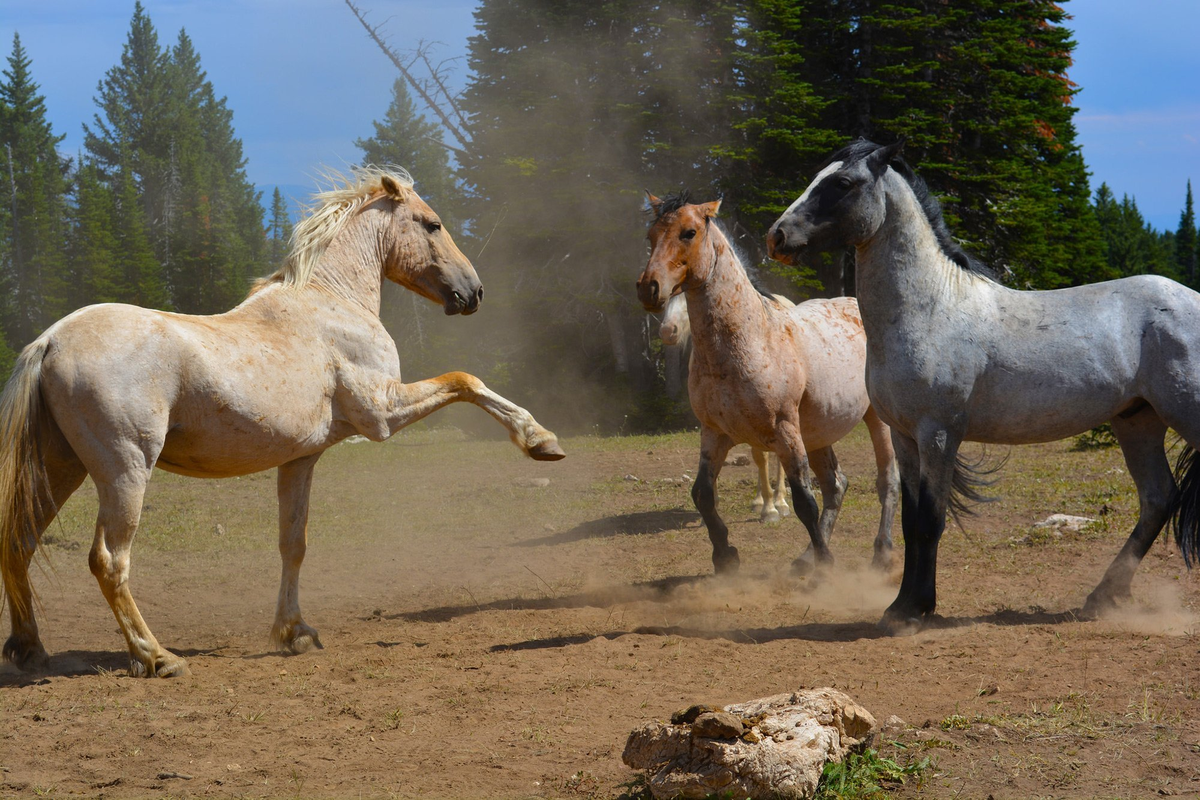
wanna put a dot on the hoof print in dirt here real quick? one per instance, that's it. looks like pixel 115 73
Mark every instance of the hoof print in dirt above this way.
pixel 775 747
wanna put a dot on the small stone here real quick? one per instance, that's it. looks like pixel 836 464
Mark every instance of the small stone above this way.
pixel 631 478
pixel 717 725
pixel 533 483
pixel 752 736
pixel 219 530
pixel 688 715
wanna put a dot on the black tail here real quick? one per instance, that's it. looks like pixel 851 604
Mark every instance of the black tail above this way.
pixel 970 477
pixel 1185 506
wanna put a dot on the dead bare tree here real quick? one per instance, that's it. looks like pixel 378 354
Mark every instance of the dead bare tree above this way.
pixel 433 89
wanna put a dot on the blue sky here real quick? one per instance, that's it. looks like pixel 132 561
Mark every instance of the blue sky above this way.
pixel 304 82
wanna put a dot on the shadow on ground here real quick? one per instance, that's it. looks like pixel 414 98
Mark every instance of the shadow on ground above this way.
pixel 636 524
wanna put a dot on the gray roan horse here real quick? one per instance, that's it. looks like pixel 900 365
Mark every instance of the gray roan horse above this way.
pixel 112 391
pixel 954 356
pixel 788 380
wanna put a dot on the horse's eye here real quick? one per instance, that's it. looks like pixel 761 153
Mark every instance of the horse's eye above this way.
pixel 843 182
pixel 688 234
pixel 433 226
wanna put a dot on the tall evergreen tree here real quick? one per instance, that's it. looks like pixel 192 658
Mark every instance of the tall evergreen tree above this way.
pixel 93 273
pixel 406 139
pixel 279 231
pixel 34 216
pixel 1186 241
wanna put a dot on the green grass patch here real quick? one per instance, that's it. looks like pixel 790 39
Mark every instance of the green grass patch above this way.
pixel 866 776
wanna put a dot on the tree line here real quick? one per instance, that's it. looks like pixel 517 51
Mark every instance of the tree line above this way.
pixel 571 109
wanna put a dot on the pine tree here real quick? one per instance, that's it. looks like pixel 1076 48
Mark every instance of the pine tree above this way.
pixel 1186 241
pixel 92 274
pixel 406 139
pixel 34 223
pixel 279 231
pixel 138 275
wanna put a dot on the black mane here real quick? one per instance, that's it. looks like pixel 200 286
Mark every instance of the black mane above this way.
pixel 861 148
pixel 670 204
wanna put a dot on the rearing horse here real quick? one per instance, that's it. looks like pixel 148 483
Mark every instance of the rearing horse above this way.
pixel 787 380
pixel 113 391
pixel 954 356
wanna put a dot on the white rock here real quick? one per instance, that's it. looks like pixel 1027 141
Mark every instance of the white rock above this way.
pixel 1064 522
pixel 781 754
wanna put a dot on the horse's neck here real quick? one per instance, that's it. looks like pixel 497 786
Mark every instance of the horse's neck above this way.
pixel 352 266
pixel 723 304
pixel 902 271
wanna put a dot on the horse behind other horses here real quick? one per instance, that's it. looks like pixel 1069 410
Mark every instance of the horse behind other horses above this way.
pixel 112 391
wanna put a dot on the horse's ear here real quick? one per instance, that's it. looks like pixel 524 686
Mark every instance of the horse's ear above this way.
pixel 655 203
pixel 393 189
pixel 879 160
pixel 709 210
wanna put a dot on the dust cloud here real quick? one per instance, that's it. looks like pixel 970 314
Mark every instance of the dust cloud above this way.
pixel 1157 609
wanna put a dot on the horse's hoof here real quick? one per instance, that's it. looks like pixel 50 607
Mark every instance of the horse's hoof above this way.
pixel 804 565
pixel 165 665
pixel 305 642
pixel 548 450
pixel 882 562
pixel 25 656
pixel 894 624
pixel 782 509
pixel 1097 605
pixel 770 516
pixel 727 562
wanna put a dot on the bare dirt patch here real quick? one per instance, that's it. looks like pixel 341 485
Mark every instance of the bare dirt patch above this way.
pixel 489 637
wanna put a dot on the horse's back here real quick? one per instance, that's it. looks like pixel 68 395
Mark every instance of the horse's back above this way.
pixel 227 394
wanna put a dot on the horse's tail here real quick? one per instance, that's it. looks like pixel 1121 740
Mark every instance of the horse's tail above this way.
pixel 1185 505
pixel 22 472
pixel 970 478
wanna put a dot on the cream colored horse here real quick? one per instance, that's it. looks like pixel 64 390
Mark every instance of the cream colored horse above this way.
pixel 771 501
pixel 113 391
pixel 788 380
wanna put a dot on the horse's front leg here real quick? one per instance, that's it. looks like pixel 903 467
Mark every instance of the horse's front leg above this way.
pixel 764 502
pixel 408 402
pixel 714 446
pixel 887 486
pixel 789 446
pixel 294 484
pixel 926 475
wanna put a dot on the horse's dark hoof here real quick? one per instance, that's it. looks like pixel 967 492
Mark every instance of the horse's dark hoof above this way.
pixel 548 450
pixel 727 561
pixel 26 656
pixel 804 565
pixel 896 624
pixel 882 560
pixel 1097 605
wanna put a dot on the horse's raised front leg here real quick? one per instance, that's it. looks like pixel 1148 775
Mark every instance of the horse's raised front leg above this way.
pixel 1141 438
pixel 64 474
pixel 926 475
pixel 764 501
pixel 789 446
pixel 116 524
pixel 363 403
pixel 714 446
pixel 294 484
pixel 887 486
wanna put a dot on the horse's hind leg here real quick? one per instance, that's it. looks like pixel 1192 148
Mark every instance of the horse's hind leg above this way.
pixel 789 446
pixel 887 486
pixel 764 502
pixel 714 446
pixel 294 486
pixel 64 474
pixel 777 479
pixel 116 524
pixel 833 485
pixel 1141 438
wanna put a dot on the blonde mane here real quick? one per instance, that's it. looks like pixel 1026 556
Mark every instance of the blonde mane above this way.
pixel 326 216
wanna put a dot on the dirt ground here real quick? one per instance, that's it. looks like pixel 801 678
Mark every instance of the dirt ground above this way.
pixel 489 637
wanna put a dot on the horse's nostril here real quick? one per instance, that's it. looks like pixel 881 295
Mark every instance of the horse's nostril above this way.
pixel 479 295
pixel 777 236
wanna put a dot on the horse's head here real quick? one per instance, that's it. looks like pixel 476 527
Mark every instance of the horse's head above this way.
pixel 679 238
pixel 675 327
pixel 842 207
pixel 420 255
